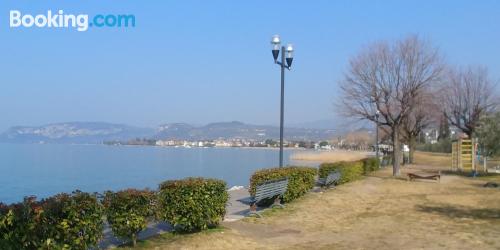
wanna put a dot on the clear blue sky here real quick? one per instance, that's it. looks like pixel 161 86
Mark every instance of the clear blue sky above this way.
pixel 204 61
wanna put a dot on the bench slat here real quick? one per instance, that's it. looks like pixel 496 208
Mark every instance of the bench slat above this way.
pixel 332 177
pixel 267 188
pixel 270 189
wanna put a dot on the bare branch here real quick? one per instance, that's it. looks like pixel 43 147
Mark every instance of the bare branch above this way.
pixel 390 78
pixel 467 95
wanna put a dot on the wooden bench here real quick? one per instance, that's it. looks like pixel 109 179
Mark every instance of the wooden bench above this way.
pixel 437 176
pixel 268 190
pixel 331 179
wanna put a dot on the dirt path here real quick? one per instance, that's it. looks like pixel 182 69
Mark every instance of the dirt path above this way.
pixel 378 212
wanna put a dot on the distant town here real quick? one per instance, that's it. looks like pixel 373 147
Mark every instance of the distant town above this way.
pixel 355 140
pixel 225 143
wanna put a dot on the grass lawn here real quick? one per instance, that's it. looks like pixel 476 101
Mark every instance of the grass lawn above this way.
pixel 433 159
pixel 377 212
pixel 165 240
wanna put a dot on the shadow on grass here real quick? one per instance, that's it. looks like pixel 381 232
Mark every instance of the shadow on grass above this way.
pixel 156 240
pixel 462 212
pixel 401 177
pixel 164 239
pixel 469 174
pixel 287 209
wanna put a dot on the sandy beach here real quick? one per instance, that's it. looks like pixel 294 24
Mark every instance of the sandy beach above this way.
pixel 330 156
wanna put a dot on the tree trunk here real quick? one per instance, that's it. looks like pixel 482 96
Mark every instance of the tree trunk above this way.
pixel 412 146
pixel 134 240
pixel 396 151
pixel 469 134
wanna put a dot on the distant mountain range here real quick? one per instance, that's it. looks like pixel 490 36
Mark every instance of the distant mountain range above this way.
pixel 98 132
pixel 73 132
pixel 319 124
pixel 238 130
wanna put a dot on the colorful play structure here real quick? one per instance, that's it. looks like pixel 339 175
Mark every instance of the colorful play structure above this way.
pixel 463 155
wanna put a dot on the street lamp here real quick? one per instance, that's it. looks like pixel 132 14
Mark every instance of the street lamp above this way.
pixel 286 62
pixel 377 114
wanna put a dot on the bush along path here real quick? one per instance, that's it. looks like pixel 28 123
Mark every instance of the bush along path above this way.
pixel 64 221
pixel 128 212
pixel 301 181
pixel 85 221
pixel 77 220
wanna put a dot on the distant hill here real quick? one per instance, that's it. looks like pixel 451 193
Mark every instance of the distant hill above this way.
pixel 74 132
pixel 319 124
pixel 238 130
pixel 98 132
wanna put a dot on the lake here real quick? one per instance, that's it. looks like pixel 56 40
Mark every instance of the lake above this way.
pixel 47 169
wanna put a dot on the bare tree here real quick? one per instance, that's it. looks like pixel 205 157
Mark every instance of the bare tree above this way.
pixel 388 77
pixel 467 95
pixel 359 140
pixel 423 112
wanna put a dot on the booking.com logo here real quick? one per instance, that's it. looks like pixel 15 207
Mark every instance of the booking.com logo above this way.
pixel 59 19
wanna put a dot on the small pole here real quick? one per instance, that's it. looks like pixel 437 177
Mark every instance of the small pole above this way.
pixel 376 138
pixel 473 147
pixel 282 102
pixel 485 168
pixel 459 146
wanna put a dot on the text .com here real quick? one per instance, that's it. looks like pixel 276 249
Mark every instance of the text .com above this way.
pixel 80 22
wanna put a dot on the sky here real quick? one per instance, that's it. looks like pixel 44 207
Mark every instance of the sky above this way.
pixel 208 61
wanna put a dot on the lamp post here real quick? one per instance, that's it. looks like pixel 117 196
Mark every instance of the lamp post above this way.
pixel 286 62
pixel 377 114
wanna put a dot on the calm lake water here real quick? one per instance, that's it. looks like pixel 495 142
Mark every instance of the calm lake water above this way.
pixel 47 169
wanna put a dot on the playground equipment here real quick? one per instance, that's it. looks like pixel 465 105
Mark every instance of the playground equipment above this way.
pixel 463 155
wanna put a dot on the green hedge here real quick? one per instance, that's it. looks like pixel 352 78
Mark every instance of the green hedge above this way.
pixel 5 228
pixel 300 180
pixel 386 160
pixel 192 204
pixel 129 211
pixel 442 146
pixel 370 164
pixel 64 221
pixel 82 224
pixel 349 171
pixel 75 221
pixel 21 225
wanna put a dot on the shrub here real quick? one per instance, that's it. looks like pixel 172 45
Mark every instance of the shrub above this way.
pixel 5 225
pixel 300 180
pixel 60 222
pixel 386 160
pixel 442 146
pixel 488 134
pixel 20 225
pixel 128 212
pixel 73 220
pixel 349 171
pixel 370 164
pixel 192 204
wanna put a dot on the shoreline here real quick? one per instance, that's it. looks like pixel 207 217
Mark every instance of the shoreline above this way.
pixel 330 156
pixel 153 146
